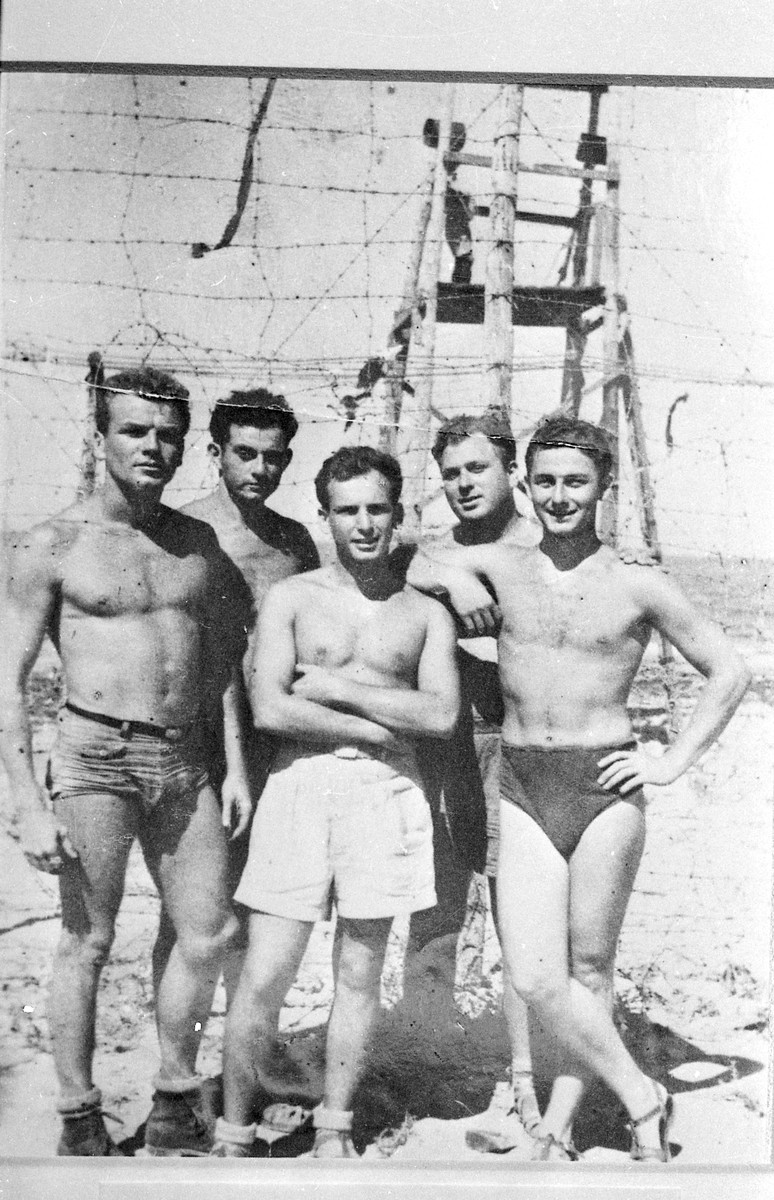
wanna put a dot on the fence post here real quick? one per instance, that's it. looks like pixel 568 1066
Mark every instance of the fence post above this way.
pixel 87 468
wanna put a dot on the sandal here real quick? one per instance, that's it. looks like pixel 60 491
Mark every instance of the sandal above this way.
pixel 550 1149
pixel 526 1106
pixel 665 1111
pixel 333 1125
pixel 232 1141
pixel 513 1112
pixel 281 1120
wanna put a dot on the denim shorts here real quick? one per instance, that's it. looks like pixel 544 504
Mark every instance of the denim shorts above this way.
pixel 89 759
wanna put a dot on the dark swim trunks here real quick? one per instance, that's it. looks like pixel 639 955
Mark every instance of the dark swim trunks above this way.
pixel 558 788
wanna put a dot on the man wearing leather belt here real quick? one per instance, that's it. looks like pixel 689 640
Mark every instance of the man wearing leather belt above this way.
pixel 137 599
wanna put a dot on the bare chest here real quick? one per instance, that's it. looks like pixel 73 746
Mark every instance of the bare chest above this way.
pixel 110 574
pixel 260 564
pixel 583 613
pixel 383 639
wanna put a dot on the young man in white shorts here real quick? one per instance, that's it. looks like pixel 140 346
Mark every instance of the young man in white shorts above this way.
pixel 351 665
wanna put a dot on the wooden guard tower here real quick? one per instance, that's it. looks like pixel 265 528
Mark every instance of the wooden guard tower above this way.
pixel 588 300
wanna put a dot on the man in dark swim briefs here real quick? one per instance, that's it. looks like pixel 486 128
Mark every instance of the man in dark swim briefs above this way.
pixel 574 623
pixel 559 789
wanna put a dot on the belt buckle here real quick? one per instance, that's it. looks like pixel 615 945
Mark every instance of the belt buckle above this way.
pixel 347 752
pixel 174 733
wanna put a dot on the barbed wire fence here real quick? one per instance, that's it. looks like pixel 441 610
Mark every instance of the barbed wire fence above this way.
pixel 169 221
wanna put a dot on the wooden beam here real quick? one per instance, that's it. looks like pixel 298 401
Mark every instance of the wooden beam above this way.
pixel 547 219
pixel 611 358
pixel 414 432
pixel 637 447
pixel 603 174
pixel 87 467
pixel 499 294
pixel 400 334
pixel 576 336
pixel 547 307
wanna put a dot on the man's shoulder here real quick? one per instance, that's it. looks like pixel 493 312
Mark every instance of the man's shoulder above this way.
pixel 634 567
pixel 36 556
pixel 294 535
pixel 179 522
pixel 305 585
pixel 424 607
pixel 203 508
pixel 187 534
pixel 638 576
pixel 56 533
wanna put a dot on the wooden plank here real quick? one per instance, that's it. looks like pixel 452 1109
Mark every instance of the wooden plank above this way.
pixel 87 467
pixel 400 334
pixel 498 293
pixel 414 434
pixel 463 304
pixel 547 219
pixel 607 174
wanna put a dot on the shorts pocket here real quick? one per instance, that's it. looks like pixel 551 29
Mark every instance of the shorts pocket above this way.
pixel 416 823
pixel 99 750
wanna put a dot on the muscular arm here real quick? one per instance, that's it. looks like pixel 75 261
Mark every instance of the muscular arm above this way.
pixel 29 593
pixel 707 649
pixel 458 571
pixel 235 791
pixel 429 710
pixel 275 708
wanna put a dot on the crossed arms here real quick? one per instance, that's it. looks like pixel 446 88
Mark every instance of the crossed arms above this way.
pixel 315 704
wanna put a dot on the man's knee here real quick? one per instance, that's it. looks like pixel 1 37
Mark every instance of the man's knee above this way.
pixel 535 985
pixel 90 947
pixel 362 957
pixel 203 948
pixel 594 972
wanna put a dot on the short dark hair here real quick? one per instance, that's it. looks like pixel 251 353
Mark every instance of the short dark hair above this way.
pixel 494 426
pixel 259 408
pixel 350 462
pixel 141 381
pixel 561 429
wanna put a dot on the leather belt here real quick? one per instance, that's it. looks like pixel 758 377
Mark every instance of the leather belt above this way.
pixel 171 733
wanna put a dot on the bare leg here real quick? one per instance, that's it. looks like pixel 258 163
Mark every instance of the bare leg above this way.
pixel 521 1034
pixel 602 873
pixel 358 958
pixel 232 967
pixel 534 897
pixel 276 947
pixel 102 829
pixel 185 849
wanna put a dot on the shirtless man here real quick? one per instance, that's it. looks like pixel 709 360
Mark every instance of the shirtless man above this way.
pixel 250 444
pixel 575 624
pixel 132 595
pixel 350 666
pixel 476 457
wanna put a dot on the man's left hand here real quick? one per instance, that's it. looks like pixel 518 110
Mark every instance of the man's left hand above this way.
pixel 237 804
pixel 316 684
pixel 625 770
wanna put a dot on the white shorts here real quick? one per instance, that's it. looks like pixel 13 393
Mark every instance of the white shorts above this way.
pixel 340 824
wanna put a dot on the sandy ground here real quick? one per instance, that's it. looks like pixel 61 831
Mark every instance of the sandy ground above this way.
pixel 693 988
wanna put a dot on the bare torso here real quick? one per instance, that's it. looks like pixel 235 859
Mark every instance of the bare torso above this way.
pixel 376 642
pixel 131 608
pixel 570 645
pixel 282 548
